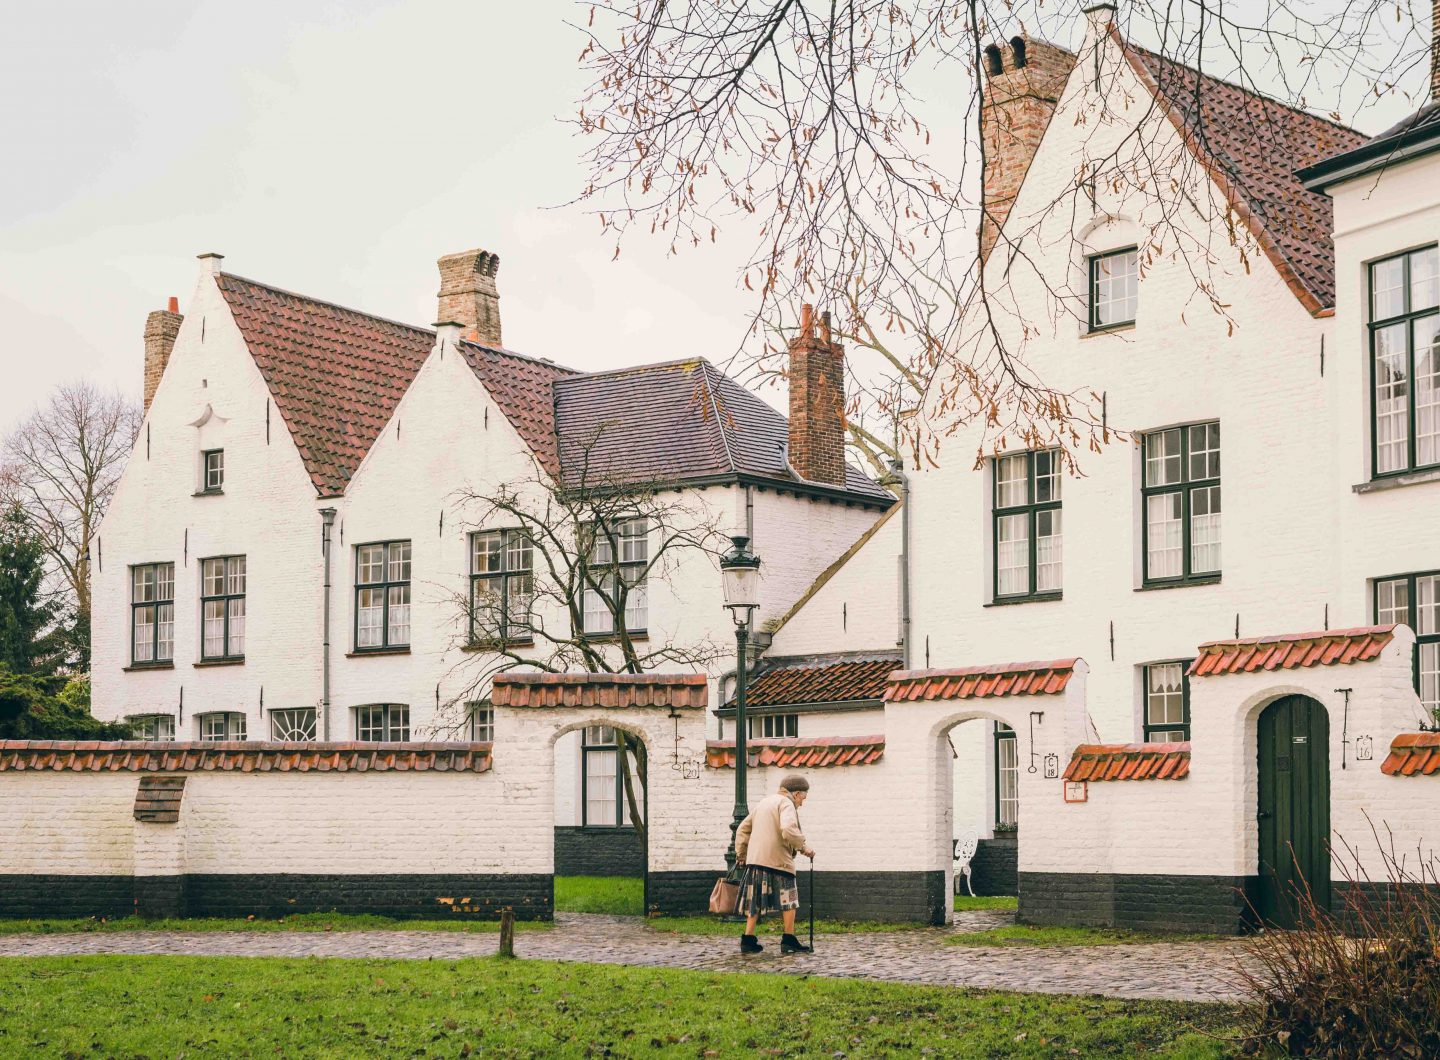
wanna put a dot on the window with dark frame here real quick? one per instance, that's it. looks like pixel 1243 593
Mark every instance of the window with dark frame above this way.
pixel 1167 702
pixel 1114 288
pixel 773 726
pixel 382 596
pixel 292 724
pixel 1405 362
pixel 602 784
pixel 222 608
pixel 213 462
pixel 1414 599
pixel 152 614
pixel 1007 778
pixel 155 727
pixel 1028 543
pixel 482 722
pixel 382 723
pixel 1181 496
pixel 620 550
pixel 502 586
pixel 222 725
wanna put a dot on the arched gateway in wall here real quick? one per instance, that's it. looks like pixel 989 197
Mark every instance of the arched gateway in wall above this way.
pixel 1293 809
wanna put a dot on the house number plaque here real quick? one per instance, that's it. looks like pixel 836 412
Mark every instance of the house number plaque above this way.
pixel 1077 791
pixel 1364 748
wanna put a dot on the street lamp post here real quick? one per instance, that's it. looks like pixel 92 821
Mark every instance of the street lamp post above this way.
pixel 740 572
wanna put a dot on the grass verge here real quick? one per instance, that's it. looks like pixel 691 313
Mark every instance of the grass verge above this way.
pixel 965 903
pixel 618 895
pixel 1029 935
pixel 298 922
pixel 216 1006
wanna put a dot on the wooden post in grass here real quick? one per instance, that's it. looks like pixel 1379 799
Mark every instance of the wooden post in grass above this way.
pixel 507 932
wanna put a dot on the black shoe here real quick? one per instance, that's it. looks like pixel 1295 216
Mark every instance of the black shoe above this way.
pixel 790 944
pixel 750 944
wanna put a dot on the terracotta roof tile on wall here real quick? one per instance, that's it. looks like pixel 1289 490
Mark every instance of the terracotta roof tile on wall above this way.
pixel 1413 754
pixel 977 682
pixel 817 753
pixel 1129 761
pixel 1290 651
pixel 683 691
pixel 141 756
pixel 845 681
pixel 1252 146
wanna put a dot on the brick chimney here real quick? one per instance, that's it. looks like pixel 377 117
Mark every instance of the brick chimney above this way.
pixel 1023 82
pixel 817 402
pixel 468 295
pixel 161 327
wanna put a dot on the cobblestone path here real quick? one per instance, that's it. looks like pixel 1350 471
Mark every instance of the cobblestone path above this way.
pixel 1196 971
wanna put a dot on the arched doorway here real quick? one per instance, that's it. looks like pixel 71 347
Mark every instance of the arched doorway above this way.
pixel 601 801
pixel 979 803
pixel 1293 809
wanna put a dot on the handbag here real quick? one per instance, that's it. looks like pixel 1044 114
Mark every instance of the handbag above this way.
pixel 724 896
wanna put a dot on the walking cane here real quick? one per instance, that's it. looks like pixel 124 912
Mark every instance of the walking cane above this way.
pixel 812 901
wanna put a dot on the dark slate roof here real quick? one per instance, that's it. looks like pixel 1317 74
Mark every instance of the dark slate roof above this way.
pixel 683 420
pixel 797 682
pixel 337 374
pixel 1418 134
pixel 1252 146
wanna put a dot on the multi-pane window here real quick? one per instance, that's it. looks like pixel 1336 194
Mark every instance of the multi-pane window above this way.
pixel 383 722
pixel 1114 288
pixel 292 724
pixel 152 613
pixel 1414 599
pixel 222 604
pixel 502 585
pixel 1028 541
pixel 213 470
pixel 773 726
pixel 1167 703
pixel 602 783
pixel 1182 503
pixel 153 726
pixel 1405 361
pixel 619 555
pixel 382 596
pixel 1007 777
pixel 482 723
pixel 222 725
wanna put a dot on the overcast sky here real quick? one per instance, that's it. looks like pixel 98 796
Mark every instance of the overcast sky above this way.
pixel 333 149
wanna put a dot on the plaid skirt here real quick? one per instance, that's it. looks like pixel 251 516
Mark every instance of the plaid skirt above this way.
pixel 766 890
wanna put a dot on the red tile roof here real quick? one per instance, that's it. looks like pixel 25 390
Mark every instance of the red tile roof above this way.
pixel 337 374
pixel 1251 146
pixel 1413 754
pixel 978 682
pixel 683 691
pixel 816 753
pixel 141 756
pixel 1291 651
pixel 842 681
pixel 1129 761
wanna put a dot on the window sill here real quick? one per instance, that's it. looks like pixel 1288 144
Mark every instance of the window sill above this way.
pixel 1188 583
pixel 134 668
pixel 476 646
pixel 208 493
pixel 1108 329
pixel 1038 598
pixel 1395 482
pixel 362 653
pixel 237 660
pixel 614 638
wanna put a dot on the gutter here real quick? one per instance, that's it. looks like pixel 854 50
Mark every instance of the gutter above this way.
pixel 1402 147
pixel 327 523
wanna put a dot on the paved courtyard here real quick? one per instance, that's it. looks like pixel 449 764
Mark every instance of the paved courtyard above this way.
pixel 1196 971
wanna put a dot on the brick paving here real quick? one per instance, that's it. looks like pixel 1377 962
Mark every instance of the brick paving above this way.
pixel 1194 971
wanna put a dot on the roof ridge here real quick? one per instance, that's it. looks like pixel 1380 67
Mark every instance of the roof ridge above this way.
pixel 640 368
pixel 705 369
pixel 326 302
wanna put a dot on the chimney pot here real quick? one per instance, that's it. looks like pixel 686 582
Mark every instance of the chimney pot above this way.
pixel 468 294
pixel 174 306
pixel 817 402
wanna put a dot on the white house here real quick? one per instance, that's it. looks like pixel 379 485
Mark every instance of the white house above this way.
pixel 291 553
pixel 1278 472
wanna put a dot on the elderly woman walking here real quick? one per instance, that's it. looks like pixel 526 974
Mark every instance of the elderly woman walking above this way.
pixel 766 844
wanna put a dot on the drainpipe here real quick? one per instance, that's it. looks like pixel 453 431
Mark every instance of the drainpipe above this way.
pixel 327 523
pixel 897 471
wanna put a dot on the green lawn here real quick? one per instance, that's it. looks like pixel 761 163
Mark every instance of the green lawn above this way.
pixel 1029 935
pixel 964 903
pixel 222 1007
pixel 297 922
pixel 619 895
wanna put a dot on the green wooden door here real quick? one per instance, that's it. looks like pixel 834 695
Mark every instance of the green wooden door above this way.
pixel 1294 808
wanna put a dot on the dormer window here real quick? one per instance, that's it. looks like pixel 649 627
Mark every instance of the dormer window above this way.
pixel 213 476
pixel 1114 288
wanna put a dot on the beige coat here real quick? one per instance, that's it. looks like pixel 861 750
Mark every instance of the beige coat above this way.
pixel 771 835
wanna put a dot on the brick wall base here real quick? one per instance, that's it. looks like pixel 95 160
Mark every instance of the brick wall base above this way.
pixel 993 869
pixel 894 897
pixel 1202 904
pixel 437 897
pixel 599 852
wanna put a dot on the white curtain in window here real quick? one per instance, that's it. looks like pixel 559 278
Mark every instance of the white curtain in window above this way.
pixel 1012 556
pixel 1048 551
pixel 1164 535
